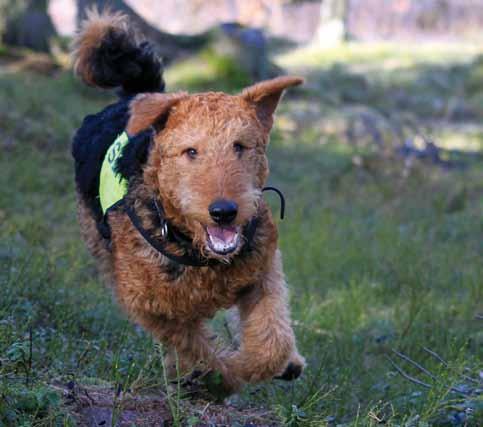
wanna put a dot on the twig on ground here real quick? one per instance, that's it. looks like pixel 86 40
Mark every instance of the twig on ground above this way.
pixel 204 409
pixel 91 400
pixel 374 416
pixel 419 382
pixel 442 361
pixel 407 376
pixel 435 355
pixel 471 379
pixel 412 362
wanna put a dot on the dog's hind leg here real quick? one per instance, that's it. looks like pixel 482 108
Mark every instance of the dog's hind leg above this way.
pixel 267 340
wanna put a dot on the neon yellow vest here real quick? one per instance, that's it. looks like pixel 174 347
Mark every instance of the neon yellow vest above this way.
pixel 112 186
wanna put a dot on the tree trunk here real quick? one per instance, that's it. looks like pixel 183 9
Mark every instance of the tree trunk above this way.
pixel 32 28
pixel 169 46
pixel 333 22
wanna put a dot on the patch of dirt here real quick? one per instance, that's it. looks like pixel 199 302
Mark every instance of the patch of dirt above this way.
pixel 94 406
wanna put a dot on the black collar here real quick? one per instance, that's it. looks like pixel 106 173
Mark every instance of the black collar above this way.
pixel 170 234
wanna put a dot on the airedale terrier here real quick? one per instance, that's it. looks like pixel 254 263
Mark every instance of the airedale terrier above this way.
pixel 170 204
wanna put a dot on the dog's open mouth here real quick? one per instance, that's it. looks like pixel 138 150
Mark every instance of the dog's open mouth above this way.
pixel 223 239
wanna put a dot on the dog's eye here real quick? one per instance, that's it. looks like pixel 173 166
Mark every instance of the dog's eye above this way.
pixel 238 147
pixel 191 153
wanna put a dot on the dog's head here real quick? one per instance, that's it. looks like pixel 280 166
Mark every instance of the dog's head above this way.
pixel 208 162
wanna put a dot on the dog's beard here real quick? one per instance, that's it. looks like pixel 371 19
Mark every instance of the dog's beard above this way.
pixel 223 240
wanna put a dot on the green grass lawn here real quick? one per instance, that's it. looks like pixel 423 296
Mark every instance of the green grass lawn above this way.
pixel 382 254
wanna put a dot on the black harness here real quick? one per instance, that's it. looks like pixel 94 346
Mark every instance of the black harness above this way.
pixel 169 234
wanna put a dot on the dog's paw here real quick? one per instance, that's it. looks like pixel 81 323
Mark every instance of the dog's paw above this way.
pixel 293 370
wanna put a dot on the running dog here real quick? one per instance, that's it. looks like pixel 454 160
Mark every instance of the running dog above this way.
pixel 170 204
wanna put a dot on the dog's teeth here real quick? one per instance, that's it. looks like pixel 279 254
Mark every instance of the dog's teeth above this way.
pixel 223 240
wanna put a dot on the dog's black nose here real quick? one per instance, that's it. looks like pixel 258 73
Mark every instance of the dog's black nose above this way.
pixel 223 211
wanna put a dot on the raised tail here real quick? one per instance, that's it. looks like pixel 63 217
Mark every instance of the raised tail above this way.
pixel 107 53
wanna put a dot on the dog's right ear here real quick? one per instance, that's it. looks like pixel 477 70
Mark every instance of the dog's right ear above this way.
pixel 149 108
pixel 265 96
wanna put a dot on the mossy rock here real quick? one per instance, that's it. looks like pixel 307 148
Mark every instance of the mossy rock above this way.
pixel 476 103
pixel 227 68
pixel 246 47
pixel 474 82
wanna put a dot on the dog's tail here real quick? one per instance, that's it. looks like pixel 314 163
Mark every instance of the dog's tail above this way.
pixel 107 53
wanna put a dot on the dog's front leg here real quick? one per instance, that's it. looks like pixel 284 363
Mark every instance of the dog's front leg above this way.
pixel 267 340
pixel 190 345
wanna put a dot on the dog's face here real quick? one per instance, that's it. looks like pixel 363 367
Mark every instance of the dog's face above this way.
pixel 212 166
pixel 208 163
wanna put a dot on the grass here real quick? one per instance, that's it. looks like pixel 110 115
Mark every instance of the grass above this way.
pixel 379 256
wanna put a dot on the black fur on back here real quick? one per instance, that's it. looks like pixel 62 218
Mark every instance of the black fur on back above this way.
pixel 89 146
pixel 120 62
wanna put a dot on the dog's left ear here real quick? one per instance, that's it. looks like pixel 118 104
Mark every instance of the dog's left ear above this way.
pixel 266 95
pixel 148 109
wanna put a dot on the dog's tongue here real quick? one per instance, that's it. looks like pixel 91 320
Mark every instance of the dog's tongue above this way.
pixel 223 235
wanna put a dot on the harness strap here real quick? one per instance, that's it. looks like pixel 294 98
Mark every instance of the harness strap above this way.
pixel 160 246
pixel 282 199
pixel 190 258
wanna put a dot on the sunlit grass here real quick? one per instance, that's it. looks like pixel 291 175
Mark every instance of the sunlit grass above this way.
pixel 382 56
pixel 465 137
